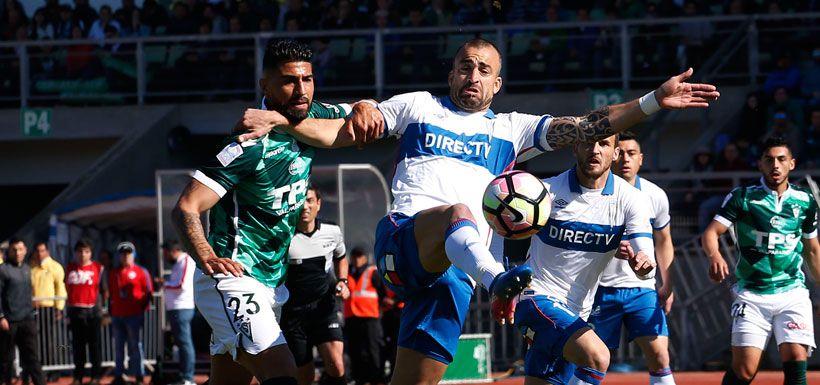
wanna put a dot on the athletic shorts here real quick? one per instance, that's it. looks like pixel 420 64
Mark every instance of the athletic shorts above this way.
pixel 547 324
pixel 787 314
pixel 311 324
pixel 436 304
pixel 637 308
pixel 242 312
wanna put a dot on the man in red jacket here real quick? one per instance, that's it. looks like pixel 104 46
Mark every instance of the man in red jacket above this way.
pixel 130 293
pixel 82 283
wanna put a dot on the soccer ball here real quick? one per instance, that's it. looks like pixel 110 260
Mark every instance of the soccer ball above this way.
pixel 516 204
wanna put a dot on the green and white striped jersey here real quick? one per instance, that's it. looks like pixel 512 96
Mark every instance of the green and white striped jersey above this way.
pixel 262 185
pixel 769 232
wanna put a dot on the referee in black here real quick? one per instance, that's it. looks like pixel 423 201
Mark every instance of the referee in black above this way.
pixel 310 317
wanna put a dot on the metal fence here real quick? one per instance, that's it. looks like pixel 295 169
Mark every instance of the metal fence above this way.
pixel 54 338
pixel 538 57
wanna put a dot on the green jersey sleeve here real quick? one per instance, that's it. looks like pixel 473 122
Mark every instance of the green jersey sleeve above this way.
pixel 731 208
pixel 321 110
pixel 809 226
pixel 230 165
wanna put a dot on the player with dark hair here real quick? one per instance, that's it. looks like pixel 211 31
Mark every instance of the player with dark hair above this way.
pixel 433 246
pixel 776 227
pixel 624 299
pixel 254 191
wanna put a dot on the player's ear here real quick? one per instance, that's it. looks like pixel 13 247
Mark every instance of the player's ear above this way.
pixel 616 154
pixel 792 163
pixel 497 85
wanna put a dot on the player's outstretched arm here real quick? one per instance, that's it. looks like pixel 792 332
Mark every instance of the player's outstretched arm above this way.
pixel 811 253
pixel 604 122
pixel 718 269
pixel 195 200
pixel 364 125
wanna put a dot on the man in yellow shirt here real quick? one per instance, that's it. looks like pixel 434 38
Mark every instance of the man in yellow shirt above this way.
pixel 47 279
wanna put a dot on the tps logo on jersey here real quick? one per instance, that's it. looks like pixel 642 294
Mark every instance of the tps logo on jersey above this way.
pixel 295 193
pixel 297 166
pixel 770 241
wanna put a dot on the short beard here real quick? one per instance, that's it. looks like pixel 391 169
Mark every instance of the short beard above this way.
pixel 467 104
pixel 293 116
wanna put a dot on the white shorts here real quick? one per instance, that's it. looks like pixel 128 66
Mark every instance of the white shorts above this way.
pixel 242 312
pixel 788 315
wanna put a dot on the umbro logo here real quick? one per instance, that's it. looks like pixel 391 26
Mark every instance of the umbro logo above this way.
pixel 560 203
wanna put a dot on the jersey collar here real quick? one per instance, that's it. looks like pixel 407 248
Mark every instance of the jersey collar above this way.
pixel 263 107
pixel 315 229
pixel 770 191
pixel 448 103
pixel 574 186
pixel 637 182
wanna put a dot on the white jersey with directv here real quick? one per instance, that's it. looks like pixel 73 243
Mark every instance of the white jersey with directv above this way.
pixel 448 156
pixel 310 259
pixel 618 273
pixel 583 232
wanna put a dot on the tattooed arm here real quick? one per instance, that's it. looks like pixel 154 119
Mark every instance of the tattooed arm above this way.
pixel 195 200
pixel 604 122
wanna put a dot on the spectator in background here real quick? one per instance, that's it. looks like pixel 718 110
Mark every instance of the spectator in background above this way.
pixel 84 312
pixel 730 160
pixel 783 102
pixel 811 80
pixel 106 19
pixel 471 12
pixel 12 21
pixel 784 128
pixel 784 75
pixel 341 17
pixel 41 28
pixel 217 23
pixel 66 22
pixel 130 292
pixel 50 11
pixel 84 15
pixel 124 13
pixel 811 150
pixel 438 13
pixel 134 26
pixel 247 16
pixel 154 16
pixel 363 330
pixel 296 11
pixel 18 326
pixel 751 125
pixel 694 36
pixel 47 276
pixel 179 305
pixel 182 22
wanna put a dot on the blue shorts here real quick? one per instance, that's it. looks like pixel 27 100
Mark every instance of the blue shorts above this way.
pixel 435 304
pixel 636 307
pixel 547 325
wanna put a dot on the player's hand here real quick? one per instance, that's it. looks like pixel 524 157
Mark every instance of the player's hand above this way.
pixel 227 266
pixel 4 324
pixel 641 264
pixel 257 123
pixel 718 269
pixel 366 123
pixel 624 250
pixel 677 94
pixel 666 297
pixel 342 291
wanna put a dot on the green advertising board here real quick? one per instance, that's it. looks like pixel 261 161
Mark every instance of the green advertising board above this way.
pixel 35 121
pixel 600 98
pixel 472 360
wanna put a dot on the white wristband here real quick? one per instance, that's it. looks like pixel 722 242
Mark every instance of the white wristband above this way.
pixel 649 105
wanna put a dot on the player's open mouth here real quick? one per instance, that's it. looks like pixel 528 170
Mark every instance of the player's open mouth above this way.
pixel 470 91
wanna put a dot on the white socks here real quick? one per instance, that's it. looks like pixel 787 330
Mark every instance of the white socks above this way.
pixel 466 251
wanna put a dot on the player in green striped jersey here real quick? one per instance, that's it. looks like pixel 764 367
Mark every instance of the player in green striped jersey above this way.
pixel 254 191
pixel 776 227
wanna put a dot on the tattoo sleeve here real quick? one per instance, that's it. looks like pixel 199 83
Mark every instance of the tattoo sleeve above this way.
pixel 192 234
pixel 567 130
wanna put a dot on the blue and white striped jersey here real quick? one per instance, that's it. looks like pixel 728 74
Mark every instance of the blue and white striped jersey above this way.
pixel 618 273
pixel 448 156
pixel 584 230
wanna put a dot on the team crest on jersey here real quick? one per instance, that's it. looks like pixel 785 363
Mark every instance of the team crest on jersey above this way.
pixel 796 211
pixel 297 166
pixel 777 222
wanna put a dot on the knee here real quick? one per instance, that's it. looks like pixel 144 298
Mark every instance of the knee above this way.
pixel 658 360
pixel 598 358
pixel 744 373
pixel 459 211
